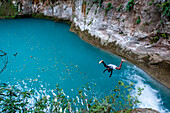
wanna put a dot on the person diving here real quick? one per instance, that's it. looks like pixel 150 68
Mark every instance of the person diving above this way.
pixel 110 67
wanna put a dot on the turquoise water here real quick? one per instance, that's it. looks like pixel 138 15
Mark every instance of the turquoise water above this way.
pixel 49 54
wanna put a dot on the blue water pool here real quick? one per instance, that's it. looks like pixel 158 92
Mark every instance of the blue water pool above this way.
pixel 49 54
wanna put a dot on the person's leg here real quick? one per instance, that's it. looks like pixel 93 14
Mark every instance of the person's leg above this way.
pixel 120 64
pixel 103 63
pixel 105 70
pixel 111 73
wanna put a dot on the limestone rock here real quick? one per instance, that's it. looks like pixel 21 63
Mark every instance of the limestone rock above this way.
pixel 27 7
pixel 154 59
pixel 143 110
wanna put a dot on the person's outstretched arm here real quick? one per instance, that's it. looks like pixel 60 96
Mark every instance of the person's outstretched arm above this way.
pixel 111 73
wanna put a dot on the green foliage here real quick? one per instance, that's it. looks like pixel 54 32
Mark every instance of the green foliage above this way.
pixel 15 100
pixel 100 3
pixel 19 3
pixel 150 3
pixel 88 9
pixel 58 4
pixel 130 5
pixel 120 7
pixel 7 9
pixel 95 1
pixel 118 101
pixel 161 22
pixel 164 35
pixel 123 20
pixel 155 39
pixel 158 36
pixel 95 11
pixel 5 0
pixel 90 22
pixel 164 8
pixel 109 6
pixel 138 20
pixel 84 2
pixel 120 32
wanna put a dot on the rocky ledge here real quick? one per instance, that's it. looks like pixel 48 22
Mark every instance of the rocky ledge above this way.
pixel 143 110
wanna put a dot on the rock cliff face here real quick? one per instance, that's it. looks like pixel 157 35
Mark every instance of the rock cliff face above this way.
pixel 128 29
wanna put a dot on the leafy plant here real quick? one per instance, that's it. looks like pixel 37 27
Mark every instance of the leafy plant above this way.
pixel 155 39
pixel 100 3
pixel 123 20
pixel 95 1
pixel 118 101
pixel 158 36
pixel 95 11
pixel 84 2
pixel 19 3
pixel 90 22
pixel 164 8
pixel 138 20
pixel 109 6
pixel 130 5
pixel 15 100
pixel 120 7
pixel 150 3
pixel 164 35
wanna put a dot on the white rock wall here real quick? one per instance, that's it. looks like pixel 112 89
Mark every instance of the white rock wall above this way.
pixel 62 10
pixel 107 29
